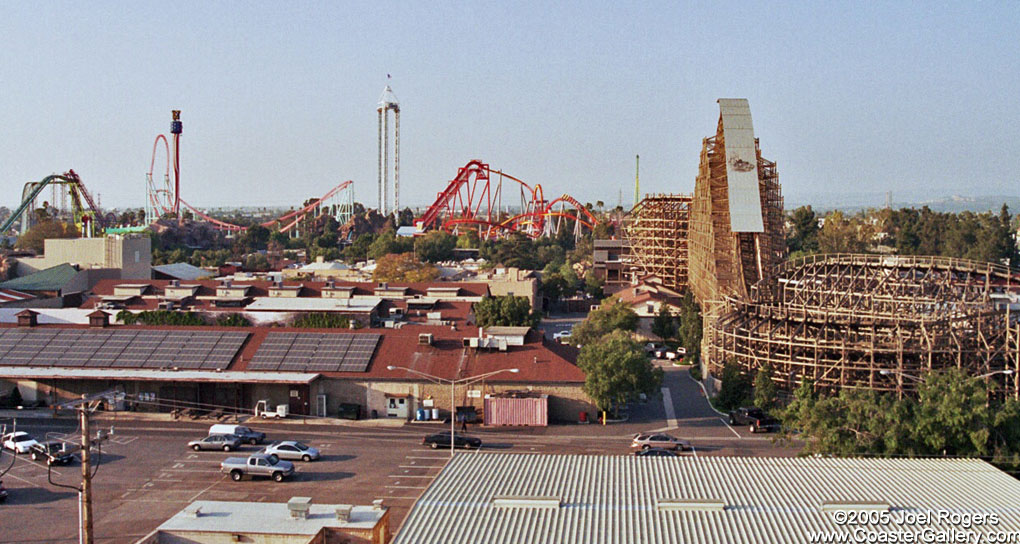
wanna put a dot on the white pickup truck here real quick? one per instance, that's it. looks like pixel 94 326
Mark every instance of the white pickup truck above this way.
pixel 259 464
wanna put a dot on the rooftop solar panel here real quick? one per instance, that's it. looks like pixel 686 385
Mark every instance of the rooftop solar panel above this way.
pixel 315 352
pixel 120 348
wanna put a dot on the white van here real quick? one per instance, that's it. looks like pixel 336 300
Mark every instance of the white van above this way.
pixel 242 432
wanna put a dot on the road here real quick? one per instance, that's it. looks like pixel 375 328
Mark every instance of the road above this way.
pixel 146 474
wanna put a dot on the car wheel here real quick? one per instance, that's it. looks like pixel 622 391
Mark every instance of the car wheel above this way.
pixel 434 445
pixel 196 447
pixel 306 458
pixel 236 475
pixel 35 456
pixel 277 476
pixel 226 448
pixel 253 441
pixel 754 429
pixel 733 421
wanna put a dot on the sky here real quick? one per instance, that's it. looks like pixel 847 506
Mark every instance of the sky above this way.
pixel 279 99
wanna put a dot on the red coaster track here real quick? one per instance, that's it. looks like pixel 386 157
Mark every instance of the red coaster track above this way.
pixel 475 198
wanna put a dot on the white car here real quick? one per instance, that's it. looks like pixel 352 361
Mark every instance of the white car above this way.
pixel 20 442
pixel 561 336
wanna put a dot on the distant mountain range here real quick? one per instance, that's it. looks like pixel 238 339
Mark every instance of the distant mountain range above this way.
pixel 854 202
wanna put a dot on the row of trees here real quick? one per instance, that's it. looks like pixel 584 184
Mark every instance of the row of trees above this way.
pixel 907 231
pixel 952 415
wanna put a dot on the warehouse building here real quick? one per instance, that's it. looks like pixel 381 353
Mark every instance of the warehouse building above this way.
pixel 513 498
pixel 314 372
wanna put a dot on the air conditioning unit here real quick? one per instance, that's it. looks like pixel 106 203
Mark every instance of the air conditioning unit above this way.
pixel 425 339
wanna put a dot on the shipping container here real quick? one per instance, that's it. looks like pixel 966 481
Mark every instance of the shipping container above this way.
pixel 517 411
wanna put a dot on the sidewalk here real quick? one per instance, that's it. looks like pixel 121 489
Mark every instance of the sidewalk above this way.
pixel 48 413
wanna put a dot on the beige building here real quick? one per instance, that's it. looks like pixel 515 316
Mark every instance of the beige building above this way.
pixel 297 521
pixel 506 282
pixel 131 255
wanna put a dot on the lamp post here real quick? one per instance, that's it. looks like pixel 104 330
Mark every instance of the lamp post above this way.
pixel 453 384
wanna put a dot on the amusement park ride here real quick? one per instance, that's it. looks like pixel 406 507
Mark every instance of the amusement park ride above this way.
pixel 474 199
pixel 165 200
pixel 83 209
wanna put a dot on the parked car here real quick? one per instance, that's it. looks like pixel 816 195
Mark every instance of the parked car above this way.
pixel 755 418
pixel 655 452
pixel 52 451
pixel 562 337
pixel 442 440
pixel 259 464
pixel 19 442
pixel 3 492
pixel 652 347
pixel 225 442
pixel 290 449
pixel 647 441
pixel 244 433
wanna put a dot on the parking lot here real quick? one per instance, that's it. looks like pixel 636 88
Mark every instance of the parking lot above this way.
pixel 147 473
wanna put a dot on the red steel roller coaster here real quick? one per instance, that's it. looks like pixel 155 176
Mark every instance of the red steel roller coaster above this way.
pixel 474 199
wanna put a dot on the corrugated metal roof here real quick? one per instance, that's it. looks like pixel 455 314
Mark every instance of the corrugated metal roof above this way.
pixel 183 271
pixel 741 166
pixel 615 499
pixel 50 279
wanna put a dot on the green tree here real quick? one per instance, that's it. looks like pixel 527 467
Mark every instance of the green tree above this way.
pixel 616 370
pixel 232 319
pixel 612 315
pixel 766 393
pixel 322 321
pixel 952 414
pixel 435 246
pixel 735 390
pixel 690 327
pixel 358 250
pixel 504 312
pixel 803 238
pixel 664 325
pixel 388 243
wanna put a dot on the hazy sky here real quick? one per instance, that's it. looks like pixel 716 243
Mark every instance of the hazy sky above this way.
pixel 279 99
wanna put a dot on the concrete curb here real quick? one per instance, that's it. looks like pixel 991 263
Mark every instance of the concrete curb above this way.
pixel 705 391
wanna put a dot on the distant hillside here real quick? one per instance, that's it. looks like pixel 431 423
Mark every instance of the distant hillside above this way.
pixel 860 201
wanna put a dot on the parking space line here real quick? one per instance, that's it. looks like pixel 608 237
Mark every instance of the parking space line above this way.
pixel 17 478
pixel 667 401
pixel 407 486
pixel 727 424
pixel 199 494
pixel 40 465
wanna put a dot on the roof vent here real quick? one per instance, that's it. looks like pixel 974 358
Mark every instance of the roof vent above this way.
pixel 512 501
pixel 175 283
pixel 687 505
pixel 343 512
pixel 425 339
pixel 27 318
pixel 330 283
pixel 299 506
pixel 830 506
pixel 377 504
pixel 193 511
pixel 99 319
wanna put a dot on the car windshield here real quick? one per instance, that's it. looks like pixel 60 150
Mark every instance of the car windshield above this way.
pixel 273 459
pixel 22 438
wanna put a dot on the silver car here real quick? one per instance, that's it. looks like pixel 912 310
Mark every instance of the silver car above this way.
pixel 659 440
pixel 290 449
pixel 225 442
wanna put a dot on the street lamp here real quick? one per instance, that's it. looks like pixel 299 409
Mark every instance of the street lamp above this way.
pixel 453 384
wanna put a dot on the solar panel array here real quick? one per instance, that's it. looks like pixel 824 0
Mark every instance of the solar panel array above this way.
pixel 195 350
pixel 315 352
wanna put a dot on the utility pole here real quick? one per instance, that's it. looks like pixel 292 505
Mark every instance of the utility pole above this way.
pixel 86 475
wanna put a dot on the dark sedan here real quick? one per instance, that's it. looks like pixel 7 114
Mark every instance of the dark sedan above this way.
pixel 53 452
pixel 442 440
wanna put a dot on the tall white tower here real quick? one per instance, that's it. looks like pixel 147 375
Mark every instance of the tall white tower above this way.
pixel 387 103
